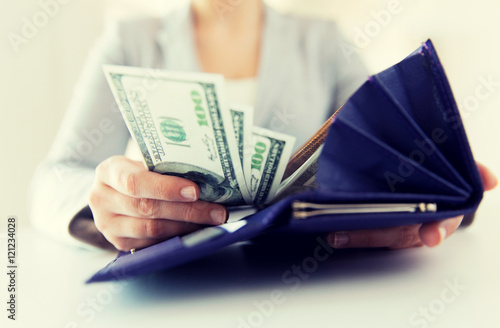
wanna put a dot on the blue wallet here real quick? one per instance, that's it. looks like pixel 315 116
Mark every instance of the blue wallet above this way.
pixel 397 150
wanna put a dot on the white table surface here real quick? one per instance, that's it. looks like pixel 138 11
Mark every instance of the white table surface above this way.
pixel 351 289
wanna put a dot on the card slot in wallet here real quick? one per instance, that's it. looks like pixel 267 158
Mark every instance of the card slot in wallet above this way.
pixel 427 97
pixel 391 124
pixel 428 143
pixel 356 161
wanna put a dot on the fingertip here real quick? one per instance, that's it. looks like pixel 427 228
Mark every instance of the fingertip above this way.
pixel 219 215
pixel 338 239
pixel 442 233
pixel 189 193
pixel 490 181
pixel 432 236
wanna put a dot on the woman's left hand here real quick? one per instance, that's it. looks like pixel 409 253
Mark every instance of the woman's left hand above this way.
pixel 429 234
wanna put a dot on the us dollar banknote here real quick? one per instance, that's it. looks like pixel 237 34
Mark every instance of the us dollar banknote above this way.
pixel 242 122
pixel 183 127
pixel 270 152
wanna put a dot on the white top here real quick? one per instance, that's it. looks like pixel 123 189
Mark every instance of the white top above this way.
pixel 304 75
pixel 242 91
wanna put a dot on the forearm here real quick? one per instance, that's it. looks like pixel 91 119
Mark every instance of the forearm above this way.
pixel 57 194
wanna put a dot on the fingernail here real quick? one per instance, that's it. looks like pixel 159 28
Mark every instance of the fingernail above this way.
pixel 188 193
pixel 338 239
pixel 442 234
pixel 218 215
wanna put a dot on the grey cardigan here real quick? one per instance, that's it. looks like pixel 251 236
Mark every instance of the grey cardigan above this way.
pixel 303 77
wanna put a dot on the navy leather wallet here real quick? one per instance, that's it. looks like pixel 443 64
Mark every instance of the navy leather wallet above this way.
pixel 396 154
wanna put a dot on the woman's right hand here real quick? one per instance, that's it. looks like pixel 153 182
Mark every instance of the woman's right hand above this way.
pixel 135 208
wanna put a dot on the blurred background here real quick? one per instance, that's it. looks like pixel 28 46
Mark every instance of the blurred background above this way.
pixel 38 76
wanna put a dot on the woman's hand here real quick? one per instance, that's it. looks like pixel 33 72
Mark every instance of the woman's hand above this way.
pixel 429 234
pixel 135 208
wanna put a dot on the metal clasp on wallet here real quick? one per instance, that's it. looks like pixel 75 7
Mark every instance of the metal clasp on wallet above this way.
pixel 304 210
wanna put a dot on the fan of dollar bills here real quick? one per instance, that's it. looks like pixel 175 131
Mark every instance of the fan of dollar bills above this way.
pixel 184 127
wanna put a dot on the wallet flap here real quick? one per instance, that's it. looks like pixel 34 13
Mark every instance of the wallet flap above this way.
pixel 420 85
pixel 389 123
pixel 371 148
pixel 366 164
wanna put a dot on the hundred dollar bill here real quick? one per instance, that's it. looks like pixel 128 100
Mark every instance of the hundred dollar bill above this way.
pixel 183 127
pixel 242 120
pixel 270 153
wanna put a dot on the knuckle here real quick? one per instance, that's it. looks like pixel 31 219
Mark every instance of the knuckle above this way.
pixel 189 212
pixel 130 183
pixel 114 160
pixel 408 236
pixel 152 228
pixel 94 199
pixel 161 190
pixel 201 206
pixel 146 207
pixel 100 223
pixel 103 167
pixel 99 170
pixel 368 240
